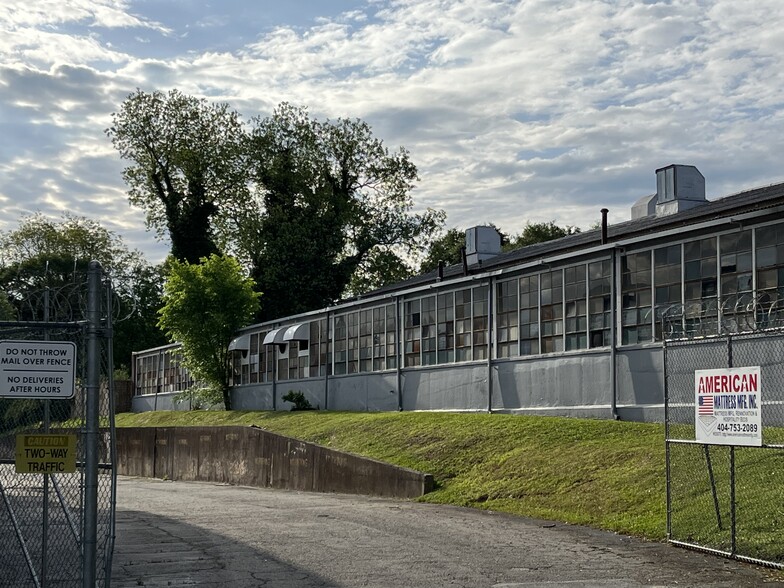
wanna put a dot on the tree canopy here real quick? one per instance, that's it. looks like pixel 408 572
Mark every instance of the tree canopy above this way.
pixel 335 204
pixel 48 254
pixel 204 306
pixel 447 247
pixel 539 233
pixel 314 209
pixel 187 166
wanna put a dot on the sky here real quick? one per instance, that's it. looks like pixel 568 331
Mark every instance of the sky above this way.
pixel 513 111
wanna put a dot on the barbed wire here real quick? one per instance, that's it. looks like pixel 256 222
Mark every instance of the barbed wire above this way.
pixel 64 303
pixel 739 313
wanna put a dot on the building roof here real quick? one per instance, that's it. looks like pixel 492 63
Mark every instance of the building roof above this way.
pixel 713 210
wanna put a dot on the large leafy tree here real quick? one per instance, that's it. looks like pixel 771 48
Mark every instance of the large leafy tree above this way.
pixel 447 247
pixel 539 233
pixel 44 255
pixel 334 203
pixel 204 305
pixel 187 166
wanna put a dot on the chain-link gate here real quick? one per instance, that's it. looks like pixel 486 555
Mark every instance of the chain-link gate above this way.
pixel 726 499
pixel 57 529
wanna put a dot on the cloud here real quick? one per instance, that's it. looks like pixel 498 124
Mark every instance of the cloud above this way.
pixel 512 110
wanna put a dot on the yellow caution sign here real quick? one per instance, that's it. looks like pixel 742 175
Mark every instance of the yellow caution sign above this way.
pixel 45 453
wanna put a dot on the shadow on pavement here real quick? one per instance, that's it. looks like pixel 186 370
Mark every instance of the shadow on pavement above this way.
pixel 159 551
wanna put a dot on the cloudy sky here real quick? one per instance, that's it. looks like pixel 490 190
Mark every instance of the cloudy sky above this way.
pixel 513 110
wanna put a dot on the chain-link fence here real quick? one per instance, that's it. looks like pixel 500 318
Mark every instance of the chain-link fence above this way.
pixel 726 498
pixel 57 525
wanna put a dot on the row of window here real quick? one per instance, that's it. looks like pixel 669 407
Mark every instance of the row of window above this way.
pixel 161 371
pixel 709 279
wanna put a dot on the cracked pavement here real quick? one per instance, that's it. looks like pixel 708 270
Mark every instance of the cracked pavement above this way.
pixel 203 534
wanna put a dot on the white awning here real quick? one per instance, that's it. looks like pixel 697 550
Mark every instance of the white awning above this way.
pixel 300 332
pixel 275 336
pixel 241 343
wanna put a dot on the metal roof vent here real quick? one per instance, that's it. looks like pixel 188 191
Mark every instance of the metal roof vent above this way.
pixel 482 243
pixel 678 188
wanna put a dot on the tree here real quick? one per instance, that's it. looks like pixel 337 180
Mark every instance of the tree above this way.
pixel 43 254
pixel 204 305
pixel 187 170
pixel 381 267
pixel 334 201
pixel 446 248
pixel 539 233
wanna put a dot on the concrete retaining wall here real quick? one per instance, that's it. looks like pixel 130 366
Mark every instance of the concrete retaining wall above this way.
pixel 253 457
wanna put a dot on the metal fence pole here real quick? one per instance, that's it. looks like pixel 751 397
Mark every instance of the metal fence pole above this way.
pixel 92 390
pixel 668 486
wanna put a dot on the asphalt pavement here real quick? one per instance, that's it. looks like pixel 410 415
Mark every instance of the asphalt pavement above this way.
pixel 202 534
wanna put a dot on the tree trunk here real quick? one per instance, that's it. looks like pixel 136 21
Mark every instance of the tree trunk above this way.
pixel 226 398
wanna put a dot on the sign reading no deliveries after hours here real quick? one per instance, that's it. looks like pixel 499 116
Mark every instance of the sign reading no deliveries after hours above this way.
pixel 728 405
pixel 37 369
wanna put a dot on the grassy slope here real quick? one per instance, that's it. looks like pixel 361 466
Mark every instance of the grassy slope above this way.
pixel 605 474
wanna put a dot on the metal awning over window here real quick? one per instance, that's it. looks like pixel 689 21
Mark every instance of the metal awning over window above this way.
pixel 300 332
pixel 275 336
pixel 241 343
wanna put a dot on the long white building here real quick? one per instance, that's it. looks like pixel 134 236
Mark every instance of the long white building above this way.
pixel 572 326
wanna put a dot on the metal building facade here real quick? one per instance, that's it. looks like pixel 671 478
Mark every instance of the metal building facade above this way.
pixel 567 327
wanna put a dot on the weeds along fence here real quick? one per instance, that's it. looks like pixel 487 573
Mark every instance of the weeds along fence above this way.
pixel 725 499
pixel 57 520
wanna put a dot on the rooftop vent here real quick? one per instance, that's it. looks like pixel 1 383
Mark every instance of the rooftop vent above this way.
pixel 482 243
pixel 678 188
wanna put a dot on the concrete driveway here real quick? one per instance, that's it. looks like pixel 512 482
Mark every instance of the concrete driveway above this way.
pixel 201 534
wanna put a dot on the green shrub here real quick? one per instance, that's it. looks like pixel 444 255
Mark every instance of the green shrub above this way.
pixel 207 398
pixel 298 400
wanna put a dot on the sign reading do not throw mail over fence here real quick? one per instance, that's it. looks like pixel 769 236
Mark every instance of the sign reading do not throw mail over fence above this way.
pixel 37 369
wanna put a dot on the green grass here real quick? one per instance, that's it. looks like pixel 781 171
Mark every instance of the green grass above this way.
pixel 605 474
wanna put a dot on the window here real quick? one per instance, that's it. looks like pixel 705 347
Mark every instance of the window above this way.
pixel 667 283
pixel 506 327
pixel 363 340
pixel 480 322
pixel 353 342
pixel 412 334
pixel 446 328
pixel 429 330
pixel 636 298
pixel 366 340
pixel 341 345
pixel 700 287
pixel 253 358
pixel 599 303
pixel 379 338
pixel 575 309
pixel 318 345
pixel 736 276
pixel 463 325
pixel 391 337
pixel 552 311
pixel 770 261
pixel 294 361
pixel 529 315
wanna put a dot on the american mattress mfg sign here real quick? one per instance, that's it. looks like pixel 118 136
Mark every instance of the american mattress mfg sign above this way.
pixel 727 406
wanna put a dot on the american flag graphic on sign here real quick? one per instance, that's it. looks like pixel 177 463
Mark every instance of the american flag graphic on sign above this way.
pixel 705 406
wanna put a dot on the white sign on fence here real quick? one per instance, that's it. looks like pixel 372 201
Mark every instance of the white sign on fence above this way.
pixel 37 369
pixel 727 406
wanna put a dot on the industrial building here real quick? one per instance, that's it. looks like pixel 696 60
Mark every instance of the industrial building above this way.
pixel 572 326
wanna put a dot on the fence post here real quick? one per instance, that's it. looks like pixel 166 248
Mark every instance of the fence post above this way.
pixel 92 390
